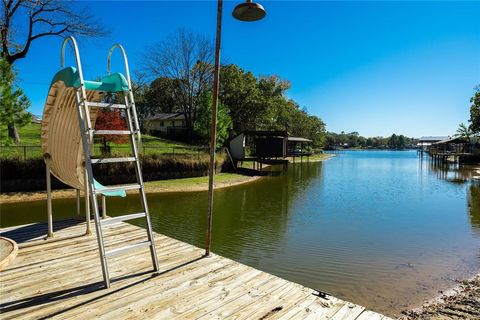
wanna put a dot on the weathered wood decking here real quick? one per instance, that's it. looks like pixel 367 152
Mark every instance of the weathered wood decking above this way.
pixel 61 278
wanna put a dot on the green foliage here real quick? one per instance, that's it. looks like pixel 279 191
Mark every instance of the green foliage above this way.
pixel 475 112
pixel 262 104
pixel 307 126
pixel 464 131
pixel 354 140
pixel 204 121
pixel 13 102
pixel 239 91
pixel 160 96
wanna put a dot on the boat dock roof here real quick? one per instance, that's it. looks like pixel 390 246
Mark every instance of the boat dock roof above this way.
pixel 61 278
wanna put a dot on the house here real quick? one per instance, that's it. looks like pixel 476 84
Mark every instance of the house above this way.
pixel 36 119
pixel 167 125
pixel 298 146
pixel 268 147
pixel 425 142
pixel 261 144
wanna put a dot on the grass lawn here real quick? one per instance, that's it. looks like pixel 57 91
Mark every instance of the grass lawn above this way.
pixel 219 178
pixel 29 135
pixel 319 156
pixel 29 145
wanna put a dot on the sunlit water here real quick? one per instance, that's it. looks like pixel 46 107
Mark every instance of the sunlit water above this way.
pixel 380 228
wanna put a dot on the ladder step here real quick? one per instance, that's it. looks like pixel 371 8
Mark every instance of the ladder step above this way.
pixel 112 160
pixel 119 219
pixel 123 187
pixel 112 132
pixel 106 105
pixel 127 248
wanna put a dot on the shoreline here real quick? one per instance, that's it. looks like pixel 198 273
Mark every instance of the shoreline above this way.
pixel 195 184
pixel 459 302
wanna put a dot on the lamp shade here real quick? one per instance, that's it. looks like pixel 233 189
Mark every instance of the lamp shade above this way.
pixel 249 11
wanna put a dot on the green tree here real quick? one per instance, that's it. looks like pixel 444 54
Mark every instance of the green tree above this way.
pixel 204 121
pixel 273 98
pixel 464 131
pixel 240 93
pixel 13 102
pixel 401 142
pixel 475 112
pixel 160 97
pixel 308 126
pixel 393 141
pixel 353 139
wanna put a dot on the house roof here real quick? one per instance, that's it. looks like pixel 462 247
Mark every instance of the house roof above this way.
pixel 36 119
pixel 167 116
pixel 264 133
pixel 298 139
pixel 452 140
pixel 433 138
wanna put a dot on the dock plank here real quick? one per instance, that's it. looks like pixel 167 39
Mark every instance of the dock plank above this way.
pixel 61 278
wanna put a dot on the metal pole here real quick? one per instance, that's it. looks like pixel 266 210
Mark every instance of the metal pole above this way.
pixel 78 203
pixel 104 207
pixel 87 201
pixel 213 131
pixel 49 198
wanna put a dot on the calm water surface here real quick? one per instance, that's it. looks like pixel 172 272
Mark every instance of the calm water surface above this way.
pixel 380 228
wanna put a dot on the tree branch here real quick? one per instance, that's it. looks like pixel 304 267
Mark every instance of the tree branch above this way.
pixel 45 18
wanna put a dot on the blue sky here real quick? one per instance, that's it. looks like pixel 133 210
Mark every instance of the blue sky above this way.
pixel 373 67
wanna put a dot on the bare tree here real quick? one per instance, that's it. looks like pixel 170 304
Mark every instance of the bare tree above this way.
pixel 187 58
pixel 42 18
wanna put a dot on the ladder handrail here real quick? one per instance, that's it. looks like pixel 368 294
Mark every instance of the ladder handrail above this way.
pixel 77 56
pixel 125 61
pixel 129 83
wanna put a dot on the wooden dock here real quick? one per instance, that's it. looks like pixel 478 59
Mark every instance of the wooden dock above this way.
pixel 61 278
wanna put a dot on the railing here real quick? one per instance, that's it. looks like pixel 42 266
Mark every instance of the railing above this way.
pixel 30 152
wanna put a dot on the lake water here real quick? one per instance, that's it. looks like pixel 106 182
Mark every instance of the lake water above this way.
pixel 384 229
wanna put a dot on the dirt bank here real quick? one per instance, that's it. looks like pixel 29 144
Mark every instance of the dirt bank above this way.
pixel 462 302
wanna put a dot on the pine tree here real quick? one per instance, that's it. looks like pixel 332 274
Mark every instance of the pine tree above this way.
pixel 13 102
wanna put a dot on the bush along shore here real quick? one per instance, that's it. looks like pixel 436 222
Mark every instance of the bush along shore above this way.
pixel 29 175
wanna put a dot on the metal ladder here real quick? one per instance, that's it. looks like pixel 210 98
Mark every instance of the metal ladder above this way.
pixel 83 111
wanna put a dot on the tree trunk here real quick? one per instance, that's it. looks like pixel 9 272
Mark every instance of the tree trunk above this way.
pixel 13 133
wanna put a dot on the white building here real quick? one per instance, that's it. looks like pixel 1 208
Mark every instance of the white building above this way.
pixel 165 122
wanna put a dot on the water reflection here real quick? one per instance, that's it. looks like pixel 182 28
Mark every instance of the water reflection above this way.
pixel 462 175
pixel 260 221
pixel 474 207
pixel 453 173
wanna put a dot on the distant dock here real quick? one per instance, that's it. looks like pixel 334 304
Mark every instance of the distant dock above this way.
pixel 62 278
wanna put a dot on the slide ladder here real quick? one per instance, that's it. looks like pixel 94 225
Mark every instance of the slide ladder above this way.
pixel 84 110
